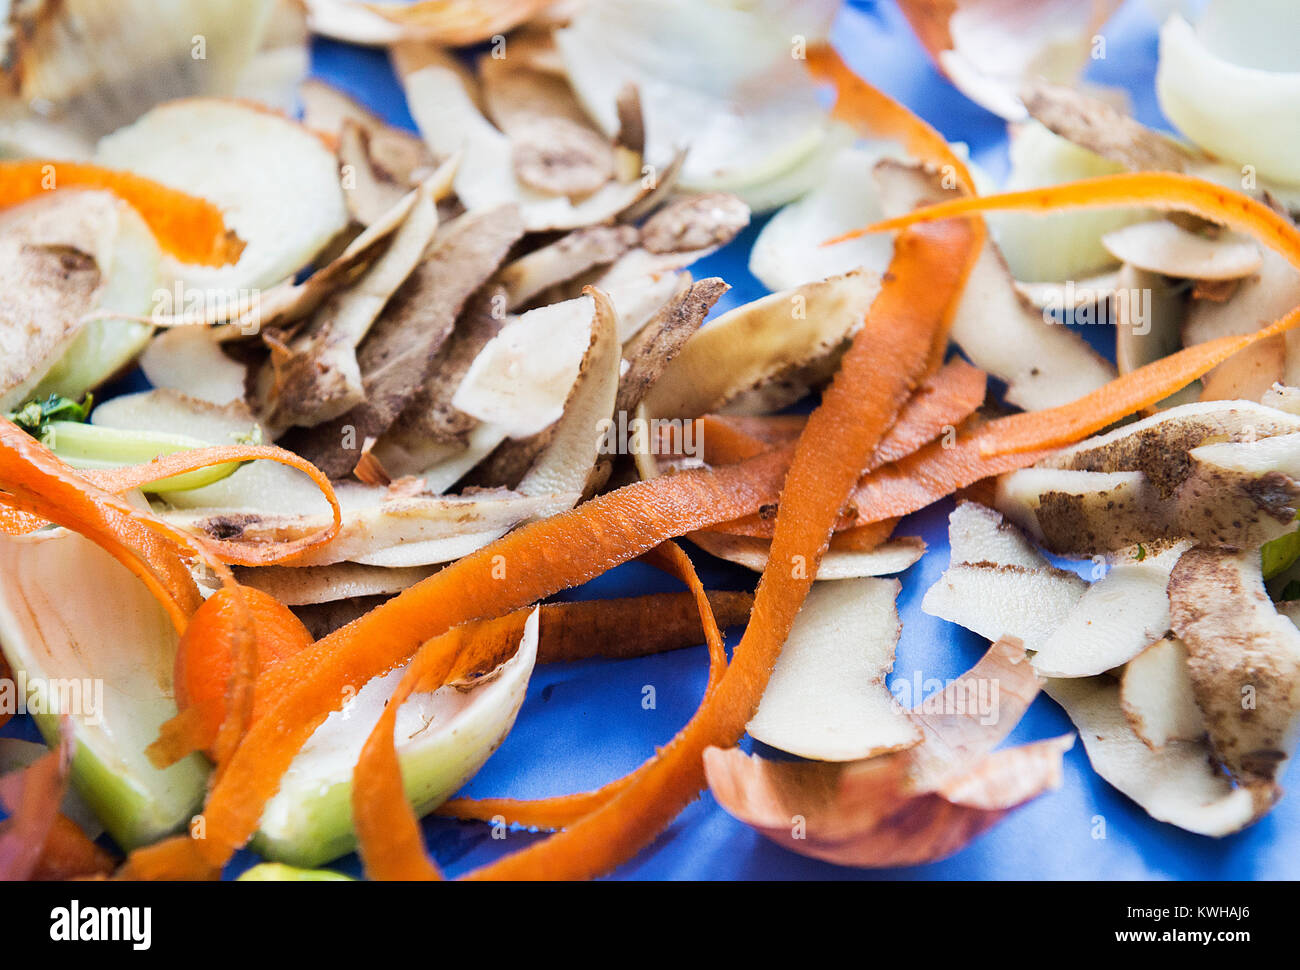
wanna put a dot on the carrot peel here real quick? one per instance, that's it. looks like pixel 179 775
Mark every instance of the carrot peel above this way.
pixel 1169 191
pixel 191 229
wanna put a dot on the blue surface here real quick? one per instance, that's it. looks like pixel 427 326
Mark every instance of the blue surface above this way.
pixel 583 724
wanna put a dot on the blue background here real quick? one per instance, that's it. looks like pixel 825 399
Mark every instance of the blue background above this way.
pixel 582 724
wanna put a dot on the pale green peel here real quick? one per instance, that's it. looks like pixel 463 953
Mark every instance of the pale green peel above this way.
pixel 1278 555
pixel 279 872
pixel 443 738
pixel 78 625
pixel 88 446
pixel 108 344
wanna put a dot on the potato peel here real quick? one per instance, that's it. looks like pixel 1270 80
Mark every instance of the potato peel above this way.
pixel 914 806
pixel 826 699
pixel 1155 692
pixel 566 458
pixel 1243 658
pixel 1011 590
pixel 401 348
pixel 1178 783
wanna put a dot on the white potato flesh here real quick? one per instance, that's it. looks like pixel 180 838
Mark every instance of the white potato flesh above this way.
pixel 1114 620
pixel 1161 246
pixel 275 182
pixel 1177 784
pixel 190 359
pixel 751 552
pixel 1156 694
pixel 827 698
pixel 977 534
pixel 997 584
pixel 1005 601
pixel 521 379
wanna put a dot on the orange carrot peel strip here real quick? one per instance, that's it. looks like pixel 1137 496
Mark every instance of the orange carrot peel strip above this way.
pixel 560 811
pixel 888 358
pixel 189 228
pixel 1036 430
pixel 239 553
pixel 941 404
pixel 388 830
pixel 1019 440
pixel 635 626
pixel 517 570
pixel 35 481
pixel 1147 385
pixel 873 112
pixel 1168 191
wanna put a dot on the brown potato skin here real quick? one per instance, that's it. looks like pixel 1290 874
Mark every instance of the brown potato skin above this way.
pixel 1243 658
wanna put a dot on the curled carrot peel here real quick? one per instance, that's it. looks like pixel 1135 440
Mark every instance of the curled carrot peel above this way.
pixel 1168 191
pixel 559 811
pixel 863 538
pixel 888 358
pixel 636 626
pixel 726 443
pixel 202 669
pixel 238 553
pixel 771 429
pixel 191 229
pixel 35 481
pixel 388 831
pixel 930 474
pixel 234 552
pixel 517 570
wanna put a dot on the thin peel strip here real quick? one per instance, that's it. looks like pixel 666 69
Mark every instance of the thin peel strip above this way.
pixel 118 480
pixel 563 810
pixel 888 358
pixel 387 828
